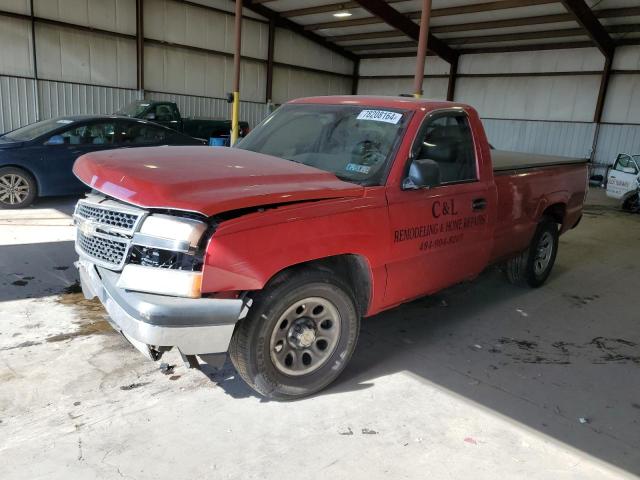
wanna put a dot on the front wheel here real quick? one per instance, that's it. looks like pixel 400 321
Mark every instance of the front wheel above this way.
pixel 298 337
pixel 533 266
pixel 17 188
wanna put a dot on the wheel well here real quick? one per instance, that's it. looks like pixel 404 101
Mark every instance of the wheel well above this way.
pixel 351 269
pixel 556 212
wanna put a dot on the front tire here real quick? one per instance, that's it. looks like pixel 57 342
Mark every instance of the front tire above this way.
pixel 533 266
pixel 298 337
pixel 17 188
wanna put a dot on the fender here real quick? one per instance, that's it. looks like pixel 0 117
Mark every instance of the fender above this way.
pixel 554 198
pixel 245 253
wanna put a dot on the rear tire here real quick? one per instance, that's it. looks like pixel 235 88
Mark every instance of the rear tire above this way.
pixel 298 336
pixel 17 188
pixel 533 266
pixel 631 204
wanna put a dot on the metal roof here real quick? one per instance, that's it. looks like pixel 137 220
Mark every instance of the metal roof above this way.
pixel 378 28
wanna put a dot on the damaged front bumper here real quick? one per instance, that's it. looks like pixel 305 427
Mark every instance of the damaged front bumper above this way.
pixel 156 323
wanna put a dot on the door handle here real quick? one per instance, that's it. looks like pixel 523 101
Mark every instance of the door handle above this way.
pixel 479 204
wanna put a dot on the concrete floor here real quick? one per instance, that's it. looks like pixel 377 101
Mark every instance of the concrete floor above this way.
pixel 484 380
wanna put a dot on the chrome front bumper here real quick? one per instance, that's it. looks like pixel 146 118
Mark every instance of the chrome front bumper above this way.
pixel 153 323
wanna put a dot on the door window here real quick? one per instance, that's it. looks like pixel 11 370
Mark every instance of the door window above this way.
pixel 92 134
pixel 165 113
pixel 446 139
pixel 625 164
pixel 142 133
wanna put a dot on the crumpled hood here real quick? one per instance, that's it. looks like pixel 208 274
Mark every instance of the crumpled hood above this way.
pixel 207 180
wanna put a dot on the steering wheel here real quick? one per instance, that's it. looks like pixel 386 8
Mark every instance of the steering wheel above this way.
pixel 369 153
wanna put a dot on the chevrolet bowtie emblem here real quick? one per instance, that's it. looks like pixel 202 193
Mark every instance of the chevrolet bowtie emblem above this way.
pixel 87 227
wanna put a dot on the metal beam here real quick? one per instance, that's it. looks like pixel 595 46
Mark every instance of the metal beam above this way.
pixel 511 22
pixel 270 51
pixel 140 44
pixel 280 21
pixel 451 85
pixel 604 84
pixel 356 77
pixel 438 12
pixel 400 22
pixel 587 19
pixel 332 7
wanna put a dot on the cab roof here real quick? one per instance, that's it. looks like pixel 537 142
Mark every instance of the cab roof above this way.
pixel 406 103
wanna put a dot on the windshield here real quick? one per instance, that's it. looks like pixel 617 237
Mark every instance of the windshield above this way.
pixel 35 130
pixel 353 142
pixel 134 109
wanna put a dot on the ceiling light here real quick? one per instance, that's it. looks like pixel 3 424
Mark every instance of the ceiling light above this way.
pixel 342 14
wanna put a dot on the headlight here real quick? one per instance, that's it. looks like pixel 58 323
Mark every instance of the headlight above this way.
pixel 179 232
pixel 166 257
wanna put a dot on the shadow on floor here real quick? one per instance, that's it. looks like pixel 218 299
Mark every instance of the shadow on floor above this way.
pixel 563 359
pixel 36 270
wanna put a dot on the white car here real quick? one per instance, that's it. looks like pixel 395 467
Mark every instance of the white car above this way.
pixel 623 182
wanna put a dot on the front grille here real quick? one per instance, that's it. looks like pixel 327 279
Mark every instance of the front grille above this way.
pixel 105 231
pixel 103 249
pixel 123 220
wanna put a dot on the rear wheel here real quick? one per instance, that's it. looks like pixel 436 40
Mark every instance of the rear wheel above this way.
pixel 533 266
pixel 298 336
pixel 17 188
pixel 632 204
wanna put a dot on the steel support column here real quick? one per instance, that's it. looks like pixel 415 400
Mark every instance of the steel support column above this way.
pixel 451 86
pixel 235 111
pixel 604 84
pixel 140 45
pixel 355 77
pixel 270 52
pixel 422 48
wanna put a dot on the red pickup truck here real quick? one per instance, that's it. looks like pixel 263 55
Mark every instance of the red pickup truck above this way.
pixel 331 210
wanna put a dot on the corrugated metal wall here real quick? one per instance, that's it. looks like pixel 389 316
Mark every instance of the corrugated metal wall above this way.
pixel 17 102
pixel 615 139
pixel 546 138
pixel 397 79
pixel 88 72
pixel 60 98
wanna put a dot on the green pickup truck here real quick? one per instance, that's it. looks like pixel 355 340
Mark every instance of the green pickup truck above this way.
pixel 168 115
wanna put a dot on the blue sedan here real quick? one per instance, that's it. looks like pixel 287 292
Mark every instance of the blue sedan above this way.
pixel 36 160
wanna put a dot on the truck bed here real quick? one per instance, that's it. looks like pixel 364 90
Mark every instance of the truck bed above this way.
pixel 506 161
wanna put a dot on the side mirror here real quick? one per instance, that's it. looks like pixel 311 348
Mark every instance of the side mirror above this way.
pixel 150 116
pixel 423 173
pixel 55 140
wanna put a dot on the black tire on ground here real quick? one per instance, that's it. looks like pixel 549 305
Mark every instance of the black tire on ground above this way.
pixel 631 204
pixel 18 188
pixel 533 266
pixel 287 326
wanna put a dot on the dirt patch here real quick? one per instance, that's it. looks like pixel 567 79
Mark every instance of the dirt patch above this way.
pixel 22 345
pixel 599 350
pixel 91 312
pixel 133 386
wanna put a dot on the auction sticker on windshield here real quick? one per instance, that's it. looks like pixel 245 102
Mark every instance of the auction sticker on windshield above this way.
pixel 380 116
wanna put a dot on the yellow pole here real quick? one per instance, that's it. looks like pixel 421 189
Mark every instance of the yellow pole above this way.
pixel 235 111
pixel 235 120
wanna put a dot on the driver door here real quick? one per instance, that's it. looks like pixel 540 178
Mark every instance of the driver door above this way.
pixel 440 234
pixel 622 177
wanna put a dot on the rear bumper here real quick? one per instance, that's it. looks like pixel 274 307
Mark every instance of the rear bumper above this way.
pixel 155 323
